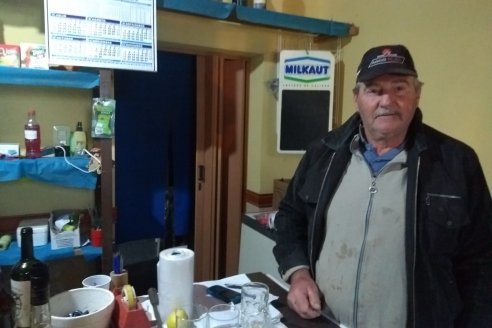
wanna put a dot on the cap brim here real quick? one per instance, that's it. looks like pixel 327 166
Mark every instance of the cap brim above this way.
pixel 374 73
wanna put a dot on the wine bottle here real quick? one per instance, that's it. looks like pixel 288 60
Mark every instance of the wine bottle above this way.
pixel 32 135
pixel 40 296
pixel 20 279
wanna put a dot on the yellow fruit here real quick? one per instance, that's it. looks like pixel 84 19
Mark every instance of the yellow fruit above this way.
pixel 174 316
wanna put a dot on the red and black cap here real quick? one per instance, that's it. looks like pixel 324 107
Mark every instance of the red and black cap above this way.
pixel 389 59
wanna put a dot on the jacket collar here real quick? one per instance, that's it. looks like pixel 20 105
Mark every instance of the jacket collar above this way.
pixel 342 136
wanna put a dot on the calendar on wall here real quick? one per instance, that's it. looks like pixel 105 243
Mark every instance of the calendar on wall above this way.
pixel 116 34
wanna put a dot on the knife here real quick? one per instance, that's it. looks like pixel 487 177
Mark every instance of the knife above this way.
pixel 154 300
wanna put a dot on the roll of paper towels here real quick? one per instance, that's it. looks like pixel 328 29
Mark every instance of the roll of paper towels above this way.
pixel 175 280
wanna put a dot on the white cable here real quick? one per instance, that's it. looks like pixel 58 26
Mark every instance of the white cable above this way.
pixel 75 166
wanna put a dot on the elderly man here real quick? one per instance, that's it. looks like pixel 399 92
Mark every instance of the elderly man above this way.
pixel 387 222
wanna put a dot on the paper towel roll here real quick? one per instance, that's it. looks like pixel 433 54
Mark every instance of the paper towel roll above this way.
pixel 175 280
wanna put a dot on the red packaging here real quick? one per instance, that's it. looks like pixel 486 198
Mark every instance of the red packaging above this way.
pixel 9 55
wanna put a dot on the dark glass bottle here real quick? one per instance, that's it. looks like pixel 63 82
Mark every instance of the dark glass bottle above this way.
pixel 20 279
pixel 32 135
pixel 40 296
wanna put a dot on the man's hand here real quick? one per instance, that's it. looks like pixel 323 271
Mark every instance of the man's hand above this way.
pixel 303 295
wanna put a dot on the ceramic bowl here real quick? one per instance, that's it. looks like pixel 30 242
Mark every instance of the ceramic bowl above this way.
pixel 99 302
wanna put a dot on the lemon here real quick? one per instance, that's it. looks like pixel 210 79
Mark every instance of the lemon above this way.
pixel 175 315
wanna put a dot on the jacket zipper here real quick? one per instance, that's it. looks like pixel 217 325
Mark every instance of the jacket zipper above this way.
pixel 311 248
pixel 372 190
pixel 414 239
pixel 430 195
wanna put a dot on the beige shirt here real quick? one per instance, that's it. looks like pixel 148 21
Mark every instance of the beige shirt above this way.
pixel 361 269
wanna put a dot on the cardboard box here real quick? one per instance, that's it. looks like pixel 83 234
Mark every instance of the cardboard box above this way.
pixel 39 230
pixel 65 228
pixel 279 190
pixel 9 55
pixel 34 55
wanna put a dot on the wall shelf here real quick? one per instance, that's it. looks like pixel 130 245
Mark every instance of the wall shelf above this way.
pixel 48 78
pixel 253 16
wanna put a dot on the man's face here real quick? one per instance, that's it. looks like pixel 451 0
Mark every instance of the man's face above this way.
pixel 387 105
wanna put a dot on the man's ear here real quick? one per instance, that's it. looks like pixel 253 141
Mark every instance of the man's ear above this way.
pixel 355 97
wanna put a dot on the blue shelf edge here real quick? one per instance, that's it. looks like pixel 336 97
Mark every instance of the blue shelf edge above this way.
pixel 292 22
pixel 250 15
pixel 52 170
pixel 206 8
pixel 49 78
pixel 44 253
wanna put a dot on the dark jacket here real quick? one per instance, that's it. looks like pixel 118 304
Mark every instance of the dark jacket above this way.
pixel 448 234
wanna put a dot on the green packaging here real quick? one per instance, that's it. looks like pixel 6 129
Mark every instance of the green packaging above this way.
pixel 103 116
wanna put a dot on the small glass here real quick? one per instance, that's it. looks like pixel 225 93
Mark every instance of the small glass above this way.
pixel 223 316
pixel 254 305
pixel 197 317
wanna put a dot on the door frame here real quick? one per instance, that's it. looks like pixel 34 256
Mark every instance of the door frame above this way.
pixel 220 162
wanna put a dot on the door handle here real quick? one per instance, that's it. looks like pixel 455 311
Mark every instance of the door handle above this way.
pixel 201 173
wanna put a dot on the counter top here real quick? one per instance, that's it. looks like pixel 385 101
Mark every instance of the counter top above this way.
pixel 251 220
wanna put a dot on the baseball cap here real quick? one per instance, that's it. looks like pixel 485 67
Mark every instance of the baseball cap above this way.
pixel 389 59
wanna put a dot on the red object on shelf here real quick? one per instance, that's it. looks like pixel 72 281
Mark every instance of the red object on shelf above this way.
pixel 96 237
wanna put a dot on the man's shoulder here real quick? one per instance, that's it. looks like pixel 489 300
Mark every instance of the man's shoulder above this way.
pixel 435 137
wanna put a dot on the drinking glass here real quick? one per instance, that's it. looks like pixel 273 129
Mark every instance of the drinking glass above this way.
pixel 223 316
pixel 254 305
pixel 197 317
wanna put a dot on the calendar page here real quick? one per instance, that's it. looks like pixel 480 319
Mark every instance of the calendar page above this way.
pixel 118 34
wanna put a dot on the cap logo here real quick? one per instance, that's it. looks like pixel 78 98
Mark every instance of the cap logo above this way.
pixel 387 57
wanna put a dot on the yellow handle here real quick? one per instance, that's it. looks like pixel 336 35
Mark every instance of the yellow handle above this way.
pixel 128 295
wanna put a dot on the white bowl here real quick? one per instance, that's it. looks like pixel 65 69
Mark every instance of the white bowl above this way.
pixel 99 302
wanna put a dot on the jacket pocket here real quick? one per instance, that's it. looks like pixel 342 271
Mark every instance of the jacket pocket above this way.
pixel 446 214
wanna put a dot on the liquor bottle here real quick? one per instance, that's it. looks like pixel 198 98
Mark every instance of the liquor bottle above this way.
pixel 32 135
pixel 7 307
pixel 78 140
pixel 20 279
pixel 40 296
pixel 259 4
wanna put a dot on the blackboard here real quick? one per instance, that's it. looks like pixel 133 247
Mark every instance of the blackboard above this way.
pixel 304 116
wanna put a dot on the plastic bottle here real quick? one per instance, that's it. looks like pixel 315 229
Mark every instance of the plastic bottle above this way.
pixel 32 135
pixel 259 4
pixel 20 279
pixel 78 141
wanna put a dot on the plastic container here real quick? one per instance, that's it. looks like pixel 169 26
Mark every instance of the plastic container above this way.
pixel 78 141
pixel 39 231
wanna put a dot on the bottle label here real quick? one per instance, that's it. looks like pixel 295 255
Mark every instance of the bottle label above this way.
pixel 21 291
pixel 30 134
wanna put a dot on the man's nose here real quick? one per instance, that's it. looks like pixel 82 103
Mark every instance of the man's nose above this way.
pixel 386 99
